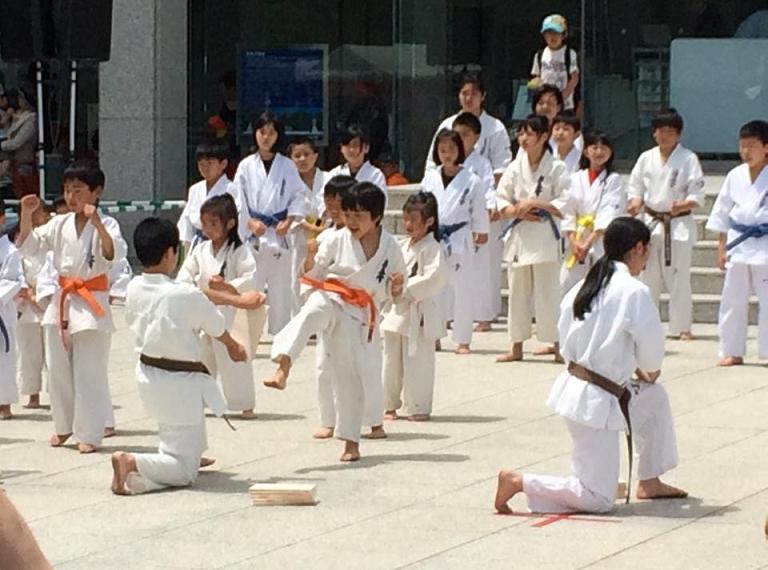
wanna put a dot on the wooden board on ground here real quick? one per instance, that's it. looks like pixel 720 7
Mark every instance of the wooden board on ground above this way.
pixel 273 494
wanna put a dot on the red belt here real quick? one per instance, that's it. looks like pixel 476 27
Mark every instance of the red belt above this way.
pixel 357 297
pixel 82 288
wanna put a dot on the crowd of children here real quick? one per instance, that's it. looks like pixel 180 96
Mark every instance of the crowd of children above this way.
pixel 308 248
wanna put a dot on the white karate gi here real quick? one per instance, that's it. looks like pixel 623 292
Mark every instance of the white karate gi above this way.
pixel 571 159
pixel 11 282
pixel 77 378
pixel 746 203
pixel 190 228
pixel 239 270
pixel 659 184
pixel 269 194
pixel 313 208
pixel 167 318
pixel 620 333
pixel 367 173
pixel 596 205
pixel 463 201
pixel 411 326
pixel 487 257
pixel 353 361
pixel 29 332
pixel 493 144
pixel 531 249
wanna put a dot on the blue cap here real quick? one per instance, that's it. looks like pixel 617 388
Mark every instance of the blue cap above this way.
pixel 554 23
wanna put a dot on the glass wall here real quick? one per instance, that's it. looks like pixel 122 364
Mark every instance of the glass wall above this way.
pixel 391 64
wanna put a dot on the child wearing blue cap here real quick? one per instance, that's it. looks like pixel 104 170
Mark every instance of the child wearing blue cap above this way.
pixel 556 64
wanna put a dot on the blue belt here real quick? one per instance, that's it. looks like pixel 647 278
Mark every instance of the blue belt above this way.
pixel 542 214
pixel 445 231
pixel 269 220
pixel 6 336
pixel 756 231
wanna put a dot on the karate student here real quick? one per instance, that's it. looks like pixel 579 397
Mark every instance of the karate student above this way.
pixel 566 129
pixel 357 271
pixel 556 64
pixel 414 322
pixel 29 331
pixel 274 196
pixel 303 153
pixel 78 322
pixel 11 283
pixel 167 318
pixel 596 196
pixel 224 264
pixel 487 257
pixel 462 203
pixel 740 215
pixel 354 148
pixel 609 328
pixel 494 143
pixel 212 160
pixel 667 182
pixel 531 194
pixel 333 195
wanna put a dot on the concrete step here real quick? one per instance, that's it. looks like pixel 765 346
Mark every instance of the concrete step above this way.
pixel 704 254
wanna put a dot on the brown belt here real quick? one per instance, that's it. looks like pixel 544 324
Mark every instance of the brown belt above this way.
pixel 665 218
pixel 170 365
pixel 621 393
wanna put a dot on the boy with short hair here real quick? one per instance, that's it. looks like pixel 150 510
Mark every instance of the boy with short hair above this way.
pixel 78 322
pixel 667 182
pixel 11 282
pixel 212 157
pixel 354 148
pixel 740 214
pixel 567 144
pixel 556 64
pixel 167 318
pixel 357 271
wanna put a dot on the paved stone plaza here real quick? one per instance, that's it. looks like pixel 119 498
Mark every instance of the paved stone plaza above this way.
pixel 422 498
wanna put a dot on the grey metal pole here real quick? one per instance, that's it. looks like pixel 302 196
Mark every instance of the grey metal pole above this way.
pixel 583 49
pixel 72 108
pixel 40 128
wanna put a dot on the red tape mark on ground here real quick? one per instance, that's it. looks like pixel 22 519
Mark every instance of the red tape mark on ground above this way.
pixel 547 520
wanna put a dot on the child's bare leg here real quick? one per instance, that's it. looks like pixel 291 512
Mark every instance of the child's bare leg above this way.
pixel 390 415
pixel 351 451
pixel 5 412
pixel 463 349
pixel 34 402
pixel 122 464
pixel 323 433
pixel 57 439
pixel 280 377
pixel 377 432
pixel 731 361
pixel 558 357
pixel 514 355
pixel 510 483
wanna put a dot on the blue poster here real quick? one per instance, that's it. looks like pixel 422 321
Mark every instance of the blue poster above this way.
pixel 291 83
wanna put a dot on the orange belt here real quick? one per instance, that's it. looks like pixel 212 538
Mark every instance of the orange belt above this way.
pixel 357 297
pixel 82 288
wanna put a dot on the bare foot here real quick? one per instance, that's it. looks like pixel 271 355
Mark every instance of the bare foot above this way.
pixel 5 412
pixel 248 415
pixel 109 432
pixel 551 349
pixel 351 451
pixel 462 349
pixel 57 440
pixel 86 448
pixel 510 483
pixel 419 418
pixel 656 489
pixel 731 361
pixel 122 464
pixel 377 432
pixel 482 326
pixel 514 355
pixel 206 461
pixel 34 402
pixel 323 433
pixel 686 336
pixel 390 415
pixel 280 377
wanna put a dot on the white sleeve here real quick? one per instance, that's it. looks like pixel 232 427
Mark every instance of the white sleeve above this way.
pixel 574 62
pixel 505 192
pixel 190 269
pixel 637 187
pixel 642 322
pixel 206 315
pixel 118 243
pixel 325 257
pixel 719 217
pixel 613 202
pixel 245 269
pixel 296 205
pixel 186 230
pixel 11 276
pixel 695 184
pixel 561 186
pixel 535 71
pixel 479 223
pixel 501 153
pixel 40 239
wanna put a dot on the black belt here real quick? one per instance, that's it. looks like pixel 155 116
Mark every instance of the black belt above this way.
pixel 622 394
pixel 665 218
pixel 6 336
pixel 170 365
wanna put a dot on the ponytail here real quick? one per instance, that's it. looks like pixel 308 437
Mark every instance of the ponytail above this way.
pixel 621 236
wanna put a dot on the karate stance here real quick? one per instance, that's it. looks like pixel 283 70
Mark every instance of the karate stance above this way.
pixel 166 318
pixel 609 328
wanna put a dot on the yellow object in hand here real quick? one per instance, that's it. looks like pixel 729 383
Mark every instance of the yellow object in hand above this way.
pixel 584 224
